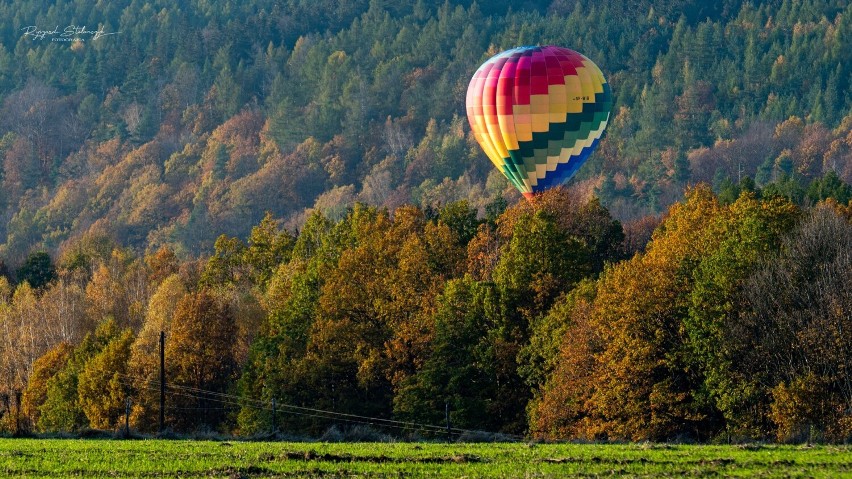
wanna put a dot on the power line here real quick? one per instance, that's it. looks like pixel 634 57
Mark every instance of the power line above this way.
pixel 244 401
pixel 322 413
pixel 232 403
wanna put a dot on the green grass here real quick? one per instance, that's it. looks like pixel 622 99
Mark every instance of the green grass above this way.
pixel 187 459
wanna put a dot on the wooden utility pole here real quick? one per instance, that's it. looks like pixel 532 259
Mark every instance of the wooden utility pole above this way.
pixel 274 419
pixel 162 381
pixel 17 411
pixel 127 417
pixel 447 415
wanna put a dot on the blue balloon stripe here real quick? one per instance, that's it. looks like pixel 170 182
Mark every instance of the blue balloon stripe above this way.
pixel 564 171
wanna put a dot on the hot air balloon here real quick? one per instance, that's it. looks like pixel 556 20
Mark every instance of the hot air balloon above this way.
pixel 538 113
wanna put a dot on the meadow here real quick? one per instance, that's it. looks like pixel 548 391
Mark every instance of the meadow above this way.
pixel 189 459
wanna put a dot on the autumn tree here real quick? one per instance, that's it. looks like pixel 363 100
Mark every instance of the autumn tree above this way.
pixel 63 307
pixel 45 367
pixel 103 384
pixel 118 289
pixel 541 354
pixel 634 384
pixel 144 362
pixel 161 265
pixel 200 358
pixel 26 336
pixel 562 361
pixel 554 243
pixel 483 253
pixel 62 409
pixel 358 310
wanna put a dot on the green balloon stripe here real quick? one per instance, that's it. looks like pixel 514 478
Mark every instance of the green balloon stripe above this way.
pixel 573 122
pixel 576 128
pixel 508 172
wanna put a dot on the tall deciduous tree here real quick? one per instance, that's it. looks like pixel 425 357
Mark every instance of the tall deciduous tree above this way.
pixel 103 384
pixel 44 368
pixel 744 235
pixel 634 383
pixel 267 248
pixel 200 357
pixel 143 366
pixel 62 409
pixel 798 309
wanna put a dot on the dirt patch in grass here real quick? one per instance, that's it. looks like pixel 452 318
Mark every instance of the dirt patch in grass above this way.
pixel 313 456
pixel 244 472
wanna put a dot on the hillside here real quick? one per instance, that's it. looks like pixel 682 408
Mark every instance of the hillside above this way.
pixel 179 124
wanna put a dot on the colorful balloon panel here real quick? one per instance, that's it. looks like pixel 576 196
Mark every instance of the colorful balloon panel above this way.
pixel 538 113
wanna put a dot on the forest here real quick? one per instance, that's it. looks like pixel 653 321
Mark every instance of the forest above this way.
pixel 291 192
pixel 723 319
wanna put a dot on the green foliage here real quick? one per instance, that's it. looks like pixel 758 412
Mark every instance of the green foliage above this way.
pixel 786 187
pixel 751 231
pixel 267 248
pixel 226 264
pixel 103 386
pixel 829 186
pixel 62 409
pixel 539 262
pixel 461 219
pixel 539 357
pixel 460 371
pixel 37 270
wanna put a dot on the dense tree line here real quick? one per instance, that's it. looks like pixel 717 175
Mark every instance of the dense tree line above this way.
pixel 550 318
pixel 193 120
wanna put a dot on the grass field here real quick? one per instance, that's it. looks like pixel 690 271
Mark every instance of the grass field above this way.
pixel 186 459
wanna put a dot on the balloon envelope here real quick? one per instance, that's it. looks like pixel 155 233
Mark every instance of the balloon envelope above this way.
pixel 538 113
